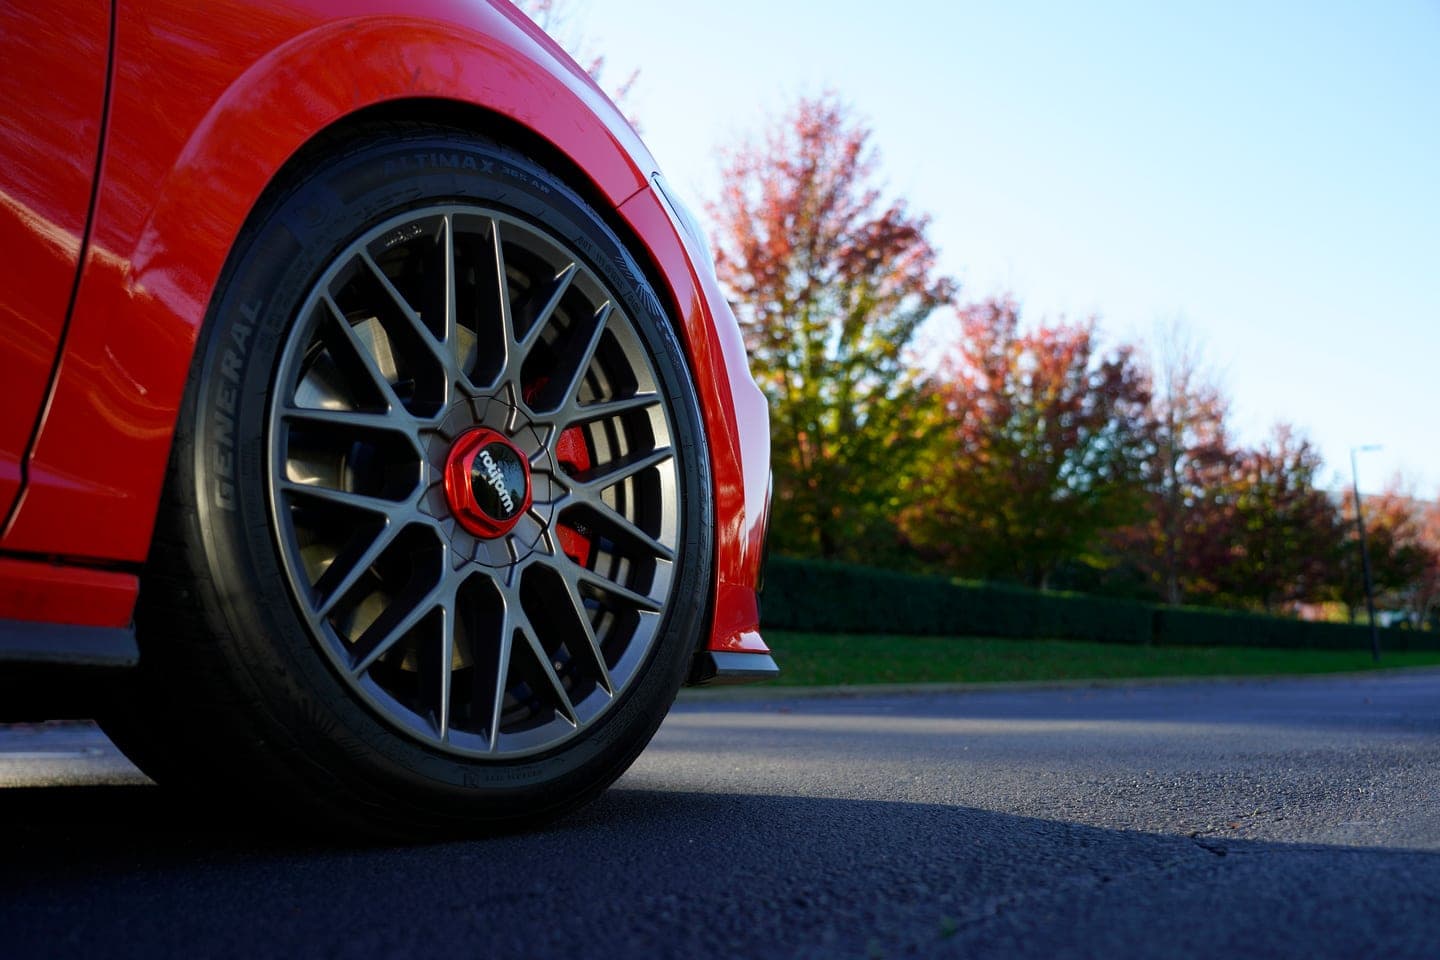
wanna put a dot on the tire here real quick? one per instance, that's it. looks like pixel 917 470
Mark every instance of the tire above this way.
pixel 434 550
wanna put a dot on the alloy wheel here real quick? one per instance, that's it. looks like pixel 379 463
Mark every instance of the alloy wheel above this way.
pixel 473 481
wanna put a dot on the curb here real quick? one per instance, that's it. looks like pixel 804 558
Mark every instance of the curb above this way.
pixel 698 695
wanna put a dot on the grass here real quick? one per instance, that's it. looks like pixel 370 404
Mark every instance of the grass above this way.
pixel 808 659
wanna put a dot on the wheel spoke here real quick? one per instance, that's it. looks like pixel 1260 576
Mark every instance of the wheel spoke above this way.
pixel 604 584
pixel 567 709
pixel 329 596
pixel 589 484
pixel 354 419
pixel 610 519
pixel 376 641
pixel 562 283
pixel 443 353
pixel 342 498
pixel 502 672
pixel 575 413
pixel 576 605
pixel 577 364
pixel 397 299
pixel 582 365
pixel 507 318
pixel 447 658
pixel 361 354
pixel 447 251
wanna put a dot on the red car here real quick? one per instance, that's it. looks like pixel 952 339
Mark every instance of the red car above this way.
pixel 374 438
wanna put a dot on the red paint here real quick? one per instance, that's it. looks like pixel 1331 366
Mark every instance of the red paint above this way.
pixel 573 454
pixel 208 103
pixel 52 92
pixel 745 641
pixel 36 590
pixel 460 480
pixel 737 418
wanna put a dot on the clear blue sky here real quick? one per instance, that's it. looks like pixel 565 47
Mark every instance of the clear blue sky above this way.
pixel 1269 171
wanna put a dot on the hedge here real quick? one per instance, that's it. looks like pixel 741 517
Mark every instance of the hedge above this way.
pixel 839 598
pixel 823 597
pixel 1189 626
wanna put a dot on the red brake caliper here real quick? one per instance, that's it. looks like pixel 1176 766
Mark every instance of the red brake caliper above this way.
pixel 573 454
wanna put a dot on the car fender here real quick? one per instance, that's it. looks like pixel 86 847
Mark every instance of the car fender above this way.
pixel 200 123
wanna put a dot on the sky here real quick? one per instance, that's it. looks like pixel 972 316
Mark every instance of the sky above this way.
pixel 1267 172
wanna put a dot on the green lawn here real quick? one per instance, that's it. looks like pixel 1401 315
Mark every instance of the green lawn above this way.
pixel 812 659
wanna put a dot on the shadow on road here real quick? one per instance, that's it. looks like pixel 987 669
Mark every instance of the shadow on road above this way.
pixel 90 827
pixel 126 871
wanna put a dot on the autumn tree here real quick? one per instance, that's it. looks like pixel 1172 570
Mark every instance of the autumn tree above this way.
pixel 830 282
pixel 1425 601
pixel 1046 446
pixel 1184 538
pixel 1286 529
pixel 1396 543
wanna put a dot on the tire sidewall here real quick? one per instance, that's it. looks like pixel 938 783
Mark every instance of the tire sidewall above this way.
pixel 292 240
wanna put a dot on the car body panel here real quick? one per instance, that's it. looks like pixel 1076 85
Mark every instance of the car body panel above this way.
pixel 207 107
pixel 57 593
pixel 739 428
pixel 52 99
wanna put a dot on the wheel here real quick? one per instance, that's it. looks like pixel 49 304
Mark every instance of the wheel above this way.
pixel 435 547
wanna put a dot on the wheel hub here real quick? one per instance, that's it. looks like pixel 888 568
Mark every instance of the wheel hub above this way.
pixel 482 530
pixel 487 483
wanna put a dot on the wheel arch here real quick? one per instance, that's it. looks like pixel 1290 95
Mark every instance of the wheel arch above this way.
pixel 719 366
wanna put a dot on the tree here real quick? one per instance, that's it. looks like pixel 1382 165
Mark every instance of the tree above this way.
pixel 1425 603
pixel 1185 536
pixel 1285 528
pixel 1045 449
pixel 830 284
pixel 1396 542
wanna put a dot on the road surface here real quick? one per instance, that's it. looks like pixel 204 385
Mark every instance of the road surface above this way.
pixel 1286 818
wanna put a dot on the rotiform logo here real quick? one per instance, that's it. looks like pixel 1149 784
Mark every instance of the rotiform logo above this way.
pixel 495 477
pixel 487 483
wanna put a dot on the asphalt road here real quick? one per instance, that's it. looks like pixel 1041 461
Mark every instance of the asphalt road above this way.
pixel 1294 818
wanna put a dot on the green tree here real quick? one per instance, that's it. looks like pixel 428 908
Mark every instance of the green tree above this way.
pixel 1045 445
pixel 829 284
pixel 1285 529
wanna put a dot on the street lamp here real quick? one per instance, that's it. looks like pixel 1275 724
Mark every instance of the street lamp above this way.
pixel 1365 550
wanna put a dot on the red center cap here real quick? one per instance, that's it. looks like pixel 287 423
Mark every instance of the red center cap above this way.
pixel 487 481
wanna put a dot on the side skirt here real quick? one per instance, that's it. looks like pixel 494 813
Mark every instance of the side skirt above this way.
pixel 51 671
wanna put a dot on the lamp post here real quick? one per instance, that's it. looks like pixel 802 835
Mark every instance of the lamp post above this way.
pixel 1365 550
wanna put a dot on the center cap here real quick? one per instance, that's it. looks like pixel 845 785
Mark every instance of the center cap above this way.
pixel 487 482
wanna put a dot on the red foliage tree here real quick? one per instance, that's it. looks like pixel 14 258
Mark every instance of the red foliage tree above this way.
pixel 830 284
pixel 1425 603
pixel 1045 446
pixel 1185 537
pixel 1286 529
pixel 1395 538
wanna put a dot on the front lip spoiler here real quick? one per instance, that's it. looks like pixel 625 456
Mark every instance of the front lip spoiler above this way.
pixel 721 667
